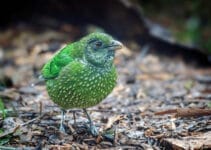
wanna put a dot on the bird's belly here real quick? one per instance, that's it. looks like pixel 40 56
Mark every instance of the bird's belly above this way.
pixel 82 90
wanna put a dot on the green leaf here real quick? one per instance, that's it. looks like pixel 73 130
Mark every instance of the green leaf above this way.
pixel 188 85
pixel 5 140
pixel 2 109
pixel 209 104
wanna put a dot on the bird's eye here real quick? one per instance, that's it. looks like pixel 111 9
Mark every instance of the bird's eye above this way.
pixel 98 44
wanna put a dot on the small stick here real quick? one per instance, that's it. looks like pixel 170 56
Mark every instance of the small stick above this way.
pixel 7 148
pixel 193 112
pixel 13 130
pixel 32 120
pixel 170 111
pixel 115 136
pixel 186 112
pixel 41 108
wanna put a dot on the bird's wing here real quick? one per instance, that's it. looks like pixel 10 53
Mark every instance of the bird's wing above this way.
pixel 52 68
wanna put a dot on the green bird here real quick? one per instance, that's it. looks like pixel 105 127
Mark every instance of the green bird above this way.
pixel 82 74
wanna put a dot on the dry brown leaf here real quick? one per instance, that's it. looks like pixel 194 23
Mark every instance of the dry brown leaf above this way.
pixel 112 120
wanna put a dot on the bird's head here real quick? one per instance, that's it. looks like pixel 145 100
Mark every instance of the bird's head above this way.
pixel 99 49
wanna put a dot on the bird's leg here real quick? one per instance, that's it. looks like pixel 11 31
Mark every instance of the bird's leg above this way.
pixel 92 128
pixel 74 118
pixel 61 128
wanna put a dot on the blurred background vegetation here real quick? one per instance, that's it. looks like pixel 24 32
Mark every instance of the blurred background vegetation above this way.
pixel 189 21
pixel 185 24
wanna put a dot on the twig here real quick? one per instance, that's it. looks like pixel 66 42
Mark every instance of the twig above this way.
pixel 19 126
pixel 30 121
pixel 41 108
pixel 170 111
pixel 7 148
pixel 186 112
pixel 193 112
pixel 115 136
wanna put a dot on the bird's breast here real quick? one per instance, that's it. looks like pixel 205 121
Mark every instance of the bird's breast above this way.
pixel 82 88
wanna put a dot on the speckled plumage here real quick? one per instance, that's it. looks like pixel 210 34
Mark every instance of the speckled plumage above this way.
pixel 82 74
pixel 81 88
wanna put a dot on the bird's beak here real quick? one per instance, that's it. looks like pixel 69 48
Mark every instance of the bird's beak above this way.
pixel 116 45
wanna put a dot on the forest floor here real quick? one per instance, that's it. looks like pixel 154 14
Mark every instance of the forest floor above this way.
pixel 158 102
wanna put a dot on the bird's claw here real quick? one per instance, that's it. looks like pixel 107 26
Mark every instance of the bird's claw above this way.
pixel 61 129
pixel 93 130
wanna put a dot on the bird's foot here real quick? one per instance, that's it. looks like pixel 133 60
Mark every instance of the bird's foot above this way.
pixel 93 130
pixel 61 128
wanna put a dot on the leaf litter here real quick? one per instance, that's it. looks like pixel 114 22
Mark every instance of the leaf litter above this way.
pixel 126 119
